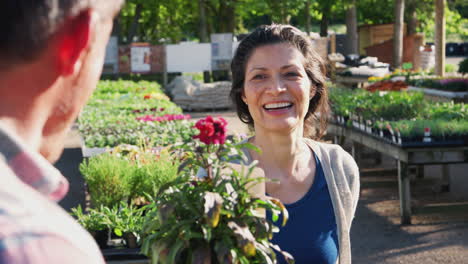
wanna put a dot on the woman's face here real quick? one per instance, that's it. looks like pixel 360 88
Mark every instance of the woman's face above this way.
pixel 277 89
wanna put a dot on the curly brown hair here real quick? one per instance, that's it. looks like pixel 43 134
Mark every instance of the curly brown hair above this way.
pixel 315 121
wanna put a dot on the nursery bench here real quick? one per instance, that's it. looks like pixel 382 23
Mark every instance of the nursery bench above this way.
pixel 431 155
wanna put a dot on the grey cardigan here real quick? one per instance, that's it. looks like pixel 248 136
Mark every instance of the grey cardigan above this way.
pixel 342 176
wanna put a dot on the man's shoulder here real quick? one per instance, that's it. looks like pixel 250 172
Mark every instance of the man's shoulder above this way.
pixel 29 219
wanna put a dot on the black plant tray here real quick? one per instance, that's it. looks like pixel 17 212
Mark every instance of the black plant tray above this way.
pixel 417 144
pixel 113 254
pixel 414 144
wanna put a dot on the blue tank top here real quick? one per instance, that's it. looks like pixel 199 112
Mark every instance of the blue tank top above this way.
pixel 310 235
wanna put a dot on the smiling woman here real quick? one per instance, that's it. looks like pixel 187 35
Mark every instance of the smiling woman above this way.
pixel 279 89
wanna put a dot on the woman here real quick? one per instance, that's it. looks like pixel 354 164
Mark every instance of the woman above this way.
pixel 279 89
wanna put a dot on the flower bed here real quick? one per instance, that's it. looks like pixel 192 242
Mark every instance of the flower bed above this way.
pixel 445 84
pixel 125 112
pixel 405 119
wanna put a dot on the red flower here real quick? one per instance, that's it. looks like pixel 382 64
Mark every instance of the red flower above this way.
pixel 211 131
pixel 147 96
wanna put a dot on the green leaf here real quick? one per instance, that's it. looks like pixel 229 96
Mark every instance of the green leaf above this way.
pixel 118 232
pixel 175 249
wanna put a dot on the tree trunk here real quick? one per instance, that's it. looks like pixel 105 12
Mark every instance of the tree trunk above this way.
pixel 398 33
pixel 324 22
pixel 134 26
pixel 203 34
pixel 307 13
pixel 440 37
pixel 351 29
pixel 412 22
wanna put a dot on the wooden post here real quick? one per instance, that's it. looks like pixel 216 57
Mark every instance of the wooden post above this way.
pixel 356 153
pixel 333 43
pixel 440 37
pixel 404 191
pixel 165 66
pixel 445 178
pixel 420 172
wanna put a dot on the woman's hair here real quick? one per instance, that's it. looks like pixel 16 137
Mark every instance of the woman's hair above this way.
pixel 315 121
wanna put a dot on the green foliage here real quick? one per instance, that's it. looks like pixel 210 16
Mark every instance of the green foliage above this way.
pixel 148 19
pixel 123 218
pixel 390 106
pixel 92 221
pixel 115 177
pixel 441 83
pixel 110 117
pixel 213 219
pixel 455 25
pixel 406 112
pixel 108 178
pixel 450 68
pixel 463 66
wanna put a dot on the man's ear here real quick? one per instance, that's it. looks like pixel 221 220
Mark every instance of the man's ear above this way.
pixel 73 38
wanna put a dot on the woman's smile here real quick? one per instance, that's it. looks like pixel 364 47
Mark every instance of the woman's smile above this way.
pixel 277 88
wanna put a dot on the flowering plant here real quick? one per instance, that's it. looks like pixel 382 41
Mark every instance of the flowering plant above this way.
pixel 212 219
pixel 164 118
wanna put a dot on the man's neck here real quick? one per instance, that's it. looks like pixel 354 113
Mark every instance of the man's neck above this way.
pixel 24 103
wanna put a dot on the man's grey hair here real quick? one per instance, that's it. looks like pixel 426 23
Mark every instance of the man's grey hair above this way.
pixel 26 25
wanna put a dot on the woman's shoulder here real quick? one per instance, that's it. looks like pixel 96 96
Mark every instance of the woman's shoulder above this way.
pixel 333 155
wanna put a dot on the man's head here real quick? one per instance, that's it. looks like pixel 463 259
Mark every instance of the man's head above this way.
pixel 51 56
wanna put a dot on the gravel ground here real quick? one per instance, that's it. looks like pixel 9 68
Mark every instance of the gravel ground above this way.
pixel 377 236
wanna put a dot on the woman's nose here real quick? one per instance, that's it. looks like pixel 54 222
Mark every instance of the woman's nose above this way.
pixel 276 86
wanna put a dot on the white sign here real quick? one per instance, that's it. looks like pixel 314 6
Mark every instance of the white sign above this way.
pixel 140 58
pixel 112 51
pixel 111 61
pixel 221 51
pixel 188 57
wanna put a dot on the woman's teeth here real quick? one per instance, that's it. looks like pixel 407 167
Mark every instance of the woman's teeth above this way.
pixel 277 106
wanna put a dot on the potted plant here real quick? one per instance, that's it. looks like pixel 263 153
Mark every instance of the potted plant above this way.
pixel 214 219
pixel 95 223
pixel 127 222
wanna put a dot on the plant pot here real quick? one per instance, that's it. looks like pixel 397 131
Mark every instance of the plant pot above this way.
pixel 130 240
pixel 101 237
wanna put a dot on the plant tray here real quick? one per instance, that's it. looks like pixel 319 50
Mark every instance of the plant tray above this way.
pixel 115 254
pixel 413 144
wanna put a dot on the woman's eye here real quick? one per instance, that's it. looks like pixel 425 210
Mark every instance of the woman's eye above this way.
pixel 259 77
pixel 292 74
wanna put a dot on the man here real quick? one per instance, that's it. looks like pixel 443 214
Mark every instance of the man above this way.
pixel 51 56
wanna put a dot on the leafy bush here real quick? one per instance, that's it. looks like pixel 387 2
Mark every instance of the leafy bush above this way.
pixel 450 68
pixel 463 66
pixel 108 178
pixel 127 176
pixel 92 221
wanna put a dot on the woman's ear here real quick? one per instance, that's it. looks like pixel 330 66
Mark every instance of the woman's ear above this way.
pixel 244 99
pixel 313 91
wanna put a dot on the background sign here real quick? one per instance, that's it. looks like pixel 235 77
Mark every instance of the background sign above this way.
pixel 221 51
pixel 140 54
pixel 111 61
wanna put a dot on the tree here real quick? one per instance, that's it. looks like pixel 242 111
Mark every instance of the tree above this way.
pixel 398 33
pixel 351 27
